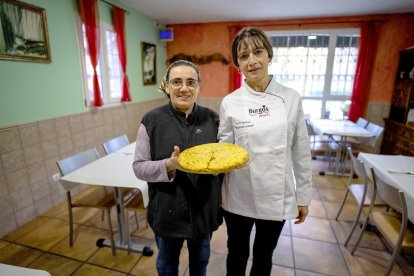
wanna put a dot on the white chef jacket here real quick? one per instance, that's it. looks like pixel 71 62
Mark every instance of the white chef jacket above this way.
pixel 271 126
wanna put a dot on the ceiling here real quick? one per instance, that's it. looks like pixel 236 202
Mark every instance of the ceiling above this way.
pixel 202 11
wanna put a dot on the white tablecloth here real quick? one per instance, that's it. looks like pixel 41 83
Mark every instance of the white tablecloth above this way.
pixel 339 128
pixel 11 270
pixel 404 182
pixel 113 170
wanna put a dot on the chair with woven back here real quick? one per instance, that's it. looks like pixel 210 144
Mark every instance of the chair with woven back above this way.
pixel 391 223
pixel 361 192
pixel 134 202
pixel 98 197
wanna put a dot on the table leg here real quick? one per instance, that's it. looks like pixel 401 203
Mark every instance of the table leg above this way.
pixel 339 160
pixel 145 250
pixel 123 241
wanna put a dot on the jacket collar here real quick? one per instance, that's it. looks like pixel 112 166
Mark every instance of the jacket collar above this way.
pixel 181 115
pixel 273 88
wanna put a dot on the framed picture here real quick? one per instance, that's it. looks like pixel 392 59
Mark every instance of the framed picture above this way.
pixel 148 63
pixel 23 32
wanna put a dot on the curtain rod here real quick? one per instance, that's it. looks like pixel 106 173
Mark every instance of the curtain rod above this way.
pixel 113 5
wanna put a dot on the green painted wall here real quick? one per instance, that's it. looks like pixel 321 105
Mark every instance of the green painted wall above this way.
pixel 31 91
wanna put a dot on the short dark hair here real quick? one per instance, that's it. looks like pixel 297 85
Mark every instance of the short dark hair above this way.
pixel 258 37
pixel 182 62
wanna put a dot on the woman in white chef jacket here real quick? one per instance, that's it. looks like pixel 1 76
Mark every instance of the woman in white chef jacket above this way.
pixel 267 119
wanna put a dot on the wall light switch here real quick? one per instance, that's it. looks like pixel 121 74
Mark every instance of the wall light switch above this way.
pixel 56 177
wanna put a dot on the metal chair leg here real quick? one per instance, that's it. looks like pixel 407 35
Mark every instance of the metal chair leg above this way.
pixel 356 221
pixel 70 219
pixel 111 232
pixel 342 204
pixel 129 232
pixel 137 220
pixel 364 226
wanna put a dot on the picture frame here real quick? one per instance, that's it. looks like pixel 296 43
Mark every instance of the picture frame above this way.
pixel 23 32
pixel 149 57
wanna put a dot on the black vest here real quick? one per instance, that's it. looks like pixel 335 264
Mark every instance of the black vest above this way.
pixel 189 207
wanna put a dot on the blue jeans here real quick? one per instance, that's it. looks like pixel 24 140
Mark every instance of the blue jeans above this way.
pixel 169 254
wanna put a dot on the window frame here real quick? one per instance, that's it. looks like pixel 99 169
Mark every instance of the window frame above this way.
pixel 333 35
pixel 103 75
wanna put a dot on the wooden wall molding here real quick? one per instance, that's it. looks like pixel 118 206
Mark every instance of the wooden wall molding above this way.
pixel 204 59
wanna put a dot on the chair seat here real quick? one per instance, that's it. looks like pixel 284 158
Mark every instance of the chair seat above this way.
pixel 353 141
pixel 357 148
pixel 326 147
pixel 136 203
pixel 357 190
pixel 389 224
pixel 101 198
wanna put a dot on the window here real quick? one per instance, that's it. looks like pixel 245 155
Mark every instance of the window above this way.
pixel 109 68
pixel 319 64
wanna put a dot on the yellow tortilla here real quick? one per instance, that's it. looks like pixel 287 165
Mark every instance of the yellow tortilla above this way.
pixel 213 158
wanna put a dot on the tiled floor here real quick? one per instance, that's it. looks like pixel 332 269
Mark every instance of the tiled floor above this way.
pixel 313 248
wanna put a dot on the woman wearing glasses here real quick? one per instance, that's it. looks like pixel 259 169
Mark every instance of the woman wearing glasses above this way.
pixel 266 118
pixel 182 206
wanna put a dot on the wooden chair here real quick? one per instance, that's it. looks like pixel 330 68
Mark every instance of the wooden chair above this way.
pixel 361 192
pixel 134 202
pixel 100 197
pixel 392 224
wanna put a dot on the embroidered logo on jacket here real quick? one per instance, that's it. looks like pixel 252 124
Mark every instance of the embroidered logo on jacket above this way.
pixel 261 112
pixel 198 130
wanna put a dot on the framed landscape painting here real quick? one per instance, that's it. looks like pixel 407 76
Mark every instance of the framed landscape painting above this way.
pixel 148 63
pixel 23 32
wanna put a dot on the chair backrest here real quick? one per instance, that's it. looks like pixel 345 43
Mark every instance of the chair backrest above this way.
pixel 362 122
pixel 77 161
pixel 309 127
pixel 391 195
pixel 115 143
pixel 357 165
pixel 372 142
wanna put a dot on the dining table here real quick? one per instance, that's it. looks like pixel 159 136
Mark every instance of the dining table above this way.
pixel 396 170
pixel 113 170
pixel 339 131
pixel 11 270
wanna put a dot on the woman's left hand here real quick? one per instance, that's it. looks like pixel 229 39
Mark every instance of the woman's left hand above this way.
pixel 303 212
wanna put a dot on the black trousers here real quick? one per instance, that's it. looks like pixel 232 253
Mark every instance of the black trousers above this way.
pixel 238 240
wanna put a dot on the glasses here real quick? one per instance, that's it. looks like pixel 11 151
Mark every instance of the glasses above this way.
pixel 178 83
